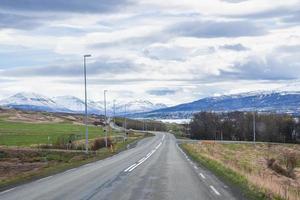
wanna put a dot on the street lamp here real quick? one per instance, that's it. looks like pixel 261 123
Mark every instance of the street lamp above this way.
pixel 85 98
pixel 114 111
pixel 105 118
pixel 125 122
pixel 254 128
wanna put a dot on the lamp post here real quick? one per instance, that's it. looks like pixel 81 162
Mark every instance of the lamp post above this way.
pixel 114 111
pixel 125 123
pixel 254 127
pixel 105 118
pixel 85 106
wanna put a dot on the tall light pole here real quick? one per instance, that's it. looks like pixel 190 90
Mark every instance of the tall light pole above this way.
pixel 144 121
pixel 85 106
pixel 125 122
pixel 105 118
pixel 114 111
pixel 254 127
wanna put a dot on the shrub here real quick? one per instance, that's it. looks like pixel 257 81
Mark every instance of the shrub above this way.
pixel 290 163
pixel 100 143
pixel 2 155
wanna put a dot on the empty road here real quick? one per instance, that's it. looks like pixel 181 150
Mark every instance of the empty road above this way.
pixel 155 169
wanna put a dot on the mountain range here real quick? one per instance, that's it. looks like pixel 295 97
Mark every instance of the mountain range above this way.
pixel 71 104
pixel 273 101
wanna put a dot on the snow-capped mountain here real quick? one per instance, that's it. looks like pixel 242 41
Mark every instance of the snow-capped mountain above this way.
pixel 279 102
pixel 77 105
pixel 138 106
pixel 71 104
pixel 32 101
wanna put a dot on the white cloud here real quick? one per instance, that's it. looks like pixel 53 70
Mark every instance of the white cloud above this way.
pixel 173 45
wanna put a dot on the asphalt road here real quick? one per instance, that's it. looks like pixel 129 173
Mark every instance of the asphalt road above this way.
pixel 155 169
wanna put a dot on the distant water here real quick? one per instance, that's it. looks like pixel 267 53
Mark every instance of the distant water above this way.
pixel 177 121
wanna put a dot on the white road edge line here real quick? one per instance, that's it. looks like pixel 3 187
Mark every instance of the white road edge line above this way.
pixel 70 170
pixel 202 175
pixel 7 191
pixel 195 167
pixel 214 189
pixel 42 179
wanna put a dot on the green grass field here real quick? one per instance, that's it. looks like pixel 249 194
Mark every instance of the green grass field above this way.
pixel 26 134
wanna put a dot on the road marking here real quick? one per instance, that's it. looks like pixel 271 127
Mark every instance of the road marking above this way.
pixel 136 166
pixel 143 159
pixel 130 167
pixel 149 154
pixel 7 191
pixel 214 189
pixel 195 167
pixel 158 145
pixel 70 170
pixel 42 179
pixel 202 175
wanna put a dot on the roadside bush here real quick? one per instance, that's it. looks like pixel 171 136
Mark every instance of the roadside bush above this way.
pixel 2 155
pixel 100 143
pixel 54 157
pixel 290 165
pixel 65 142
pixel 273 164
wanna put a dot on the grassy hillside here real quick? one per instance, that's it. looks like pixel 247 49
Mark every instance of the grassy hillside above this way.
pixel 25 134
pixel 262 171
pixel 25 128
pixel 18 165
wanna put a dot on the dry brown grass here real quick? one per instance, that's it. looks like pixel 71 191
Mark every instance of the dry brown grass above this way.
pixel 13 115
pixel 251 161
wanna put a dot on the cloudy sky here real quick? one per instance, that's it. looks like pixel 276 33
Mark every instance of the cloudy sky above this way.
pixel 169 51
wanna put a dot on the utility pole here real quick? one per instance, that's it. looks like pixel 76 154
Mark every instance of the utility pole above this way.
pixel 85 106
pixel 114 111
pixel 254 127
pixel 221 135
pixel 105 118
pixel 125 122
pixel 144 121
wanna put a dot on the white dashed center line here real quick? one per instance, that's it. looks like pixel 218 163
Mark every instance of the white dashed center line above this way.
pixel 202 176
pixel 214 189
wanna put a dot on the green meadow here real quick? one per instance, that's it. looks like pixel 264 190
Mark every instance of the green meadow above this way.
pixel 26 134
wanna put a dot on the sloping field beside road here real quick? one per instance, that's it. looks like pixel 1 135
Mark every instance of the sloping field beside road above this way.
pixel 249 165
pixel 26 134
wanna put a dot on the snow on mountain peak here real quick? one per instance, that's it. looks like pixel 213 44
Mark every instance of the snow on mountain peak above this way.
pixel 24 98
pixel 67 103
